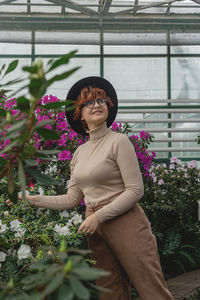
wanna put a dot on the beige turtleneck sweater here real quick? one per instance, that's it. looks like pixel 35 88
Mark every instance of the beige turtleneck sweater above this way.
pixel 103 169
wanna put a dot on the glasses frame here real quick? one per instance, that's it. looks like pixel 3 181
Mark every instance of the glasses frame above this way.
pixel 85 104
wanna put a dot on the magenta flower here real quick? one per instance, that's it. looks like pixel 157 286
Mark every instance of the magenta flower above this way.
pixel 64 155
pixel 72 134
pixel 9 103
pixel 62 141
pixel 144 135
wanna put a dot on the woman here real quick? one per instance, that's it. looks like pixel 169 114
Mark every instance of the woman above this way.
pixel 105 171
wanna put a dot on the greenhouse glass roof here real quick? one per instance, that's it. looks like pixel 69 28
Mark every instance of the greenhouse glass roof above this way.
pixel 92 14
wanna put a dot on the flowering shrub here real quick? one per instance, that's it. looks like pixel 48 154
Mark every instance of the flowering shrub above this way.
pixel 170 201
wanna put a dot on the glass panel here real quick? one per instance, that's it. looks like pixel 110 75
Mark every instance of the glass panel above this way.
pixel 63 42
pixel 148 43
pixel 185 49
pixel 185 77
pixel 114 49
pixel 11 48
pixel 16 73
pixel 137 78
pixel 184 38
pixel 89 66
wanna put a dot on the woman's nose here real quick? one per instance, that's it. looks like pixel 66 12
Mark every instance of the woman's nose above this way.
pixel 96 104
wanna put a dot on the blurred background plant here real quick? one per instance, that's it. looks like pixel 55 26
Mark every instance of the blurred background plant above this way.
pixel 170 201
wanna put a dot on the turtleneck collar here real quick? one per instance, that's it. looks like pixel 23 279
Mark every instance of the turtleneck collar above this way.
pixel 98 132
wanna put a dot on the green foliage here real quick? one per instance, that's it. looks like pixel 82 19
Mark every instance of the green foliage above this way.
pixel 19 130
pixel 62 274
pixel 170 202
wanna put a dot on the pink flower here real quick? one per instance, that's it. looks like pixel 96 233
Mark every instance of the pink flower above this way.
pixel 64 155
pixel 72 134
pixel 116 126
pixel 62 125
pixel 144 135
pixel 160 182
pixel 83 202
pixel 62 141
pixel 14 112
pixel 9 103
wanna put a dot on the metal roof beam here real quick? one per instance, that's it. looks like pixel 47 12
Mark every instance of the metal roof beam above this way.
pixel 7 2
pixel 72 5
pixel 105 6
pixel 141 7
pixel 49 22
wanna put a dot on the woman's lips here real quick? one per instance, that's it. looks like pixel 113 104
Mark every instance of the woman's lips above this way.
pixel 97 112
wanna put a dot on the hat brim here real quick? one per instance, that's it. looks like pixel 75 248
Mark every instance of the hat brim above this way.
pixel 75 90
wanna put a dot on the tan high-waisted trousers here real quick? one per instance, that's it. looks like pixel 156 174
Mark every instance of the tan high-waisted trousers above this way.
pixel 126 247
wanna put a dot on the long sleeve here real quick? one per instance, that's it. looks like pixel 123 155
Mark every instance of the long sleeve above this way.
pixel 67 201
pixel 124 154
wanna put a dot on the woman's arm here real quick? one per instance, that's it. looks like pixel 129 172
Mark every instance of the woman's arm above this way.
pixel 124 154
pixel 61 202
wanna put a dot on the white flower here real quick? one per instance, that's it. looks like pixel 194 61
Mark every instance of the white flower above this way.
pixel 172 166
pixel 24 252
pixel 2 256
pixel 174 159
pixel 154 179
pixel 77 219
pixel 20 232
pixel 61 230
pixel 192 164
pixel 39 212
pixel 41 191
pixel 6 213
pixel 160 182
pixel 64 214
pixel 69 223
pixel 15 226
pixel 26 193
pixel 3 227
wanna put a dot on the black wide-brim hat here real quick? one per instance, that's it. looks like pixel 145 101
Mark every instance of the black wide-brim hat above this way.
pixel 94 81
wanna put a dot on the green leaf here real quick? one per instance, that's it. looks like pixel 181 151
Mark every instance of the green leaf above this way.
pixel 61 61
pixel 3 161
pixel 53 285
pixel 61 76
pixel 9 147
pixel 2 68
pixel 42 124
pixel 32 69
pixel 65 292
pixel 42 178
pixel 12 190
pixel 17 126
pixel 48 152
pixel 48 134
pixel 89 273
pixel 22 178
pixel 23 104
pixel 37 87
pixel 78 288
pixel 31 162
pixel 29 150
pixel 12 82
pixel 2 112
pixel 55 105
pixel 12 66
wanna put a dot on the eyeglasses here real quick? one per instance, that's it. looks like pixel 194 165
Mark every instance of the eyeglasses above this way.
pixel 90 104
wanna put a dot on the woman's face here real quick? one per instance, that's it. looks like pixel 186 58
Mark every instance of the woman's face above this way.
pixel 94 116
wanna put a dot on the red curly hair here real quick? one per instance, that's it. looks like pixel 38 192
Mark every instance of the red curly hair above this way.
pixel 89 93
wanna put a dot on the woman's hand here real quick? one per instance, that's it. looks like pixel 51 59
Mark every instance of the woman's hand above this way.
pixel 30 199
pixel 89 225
